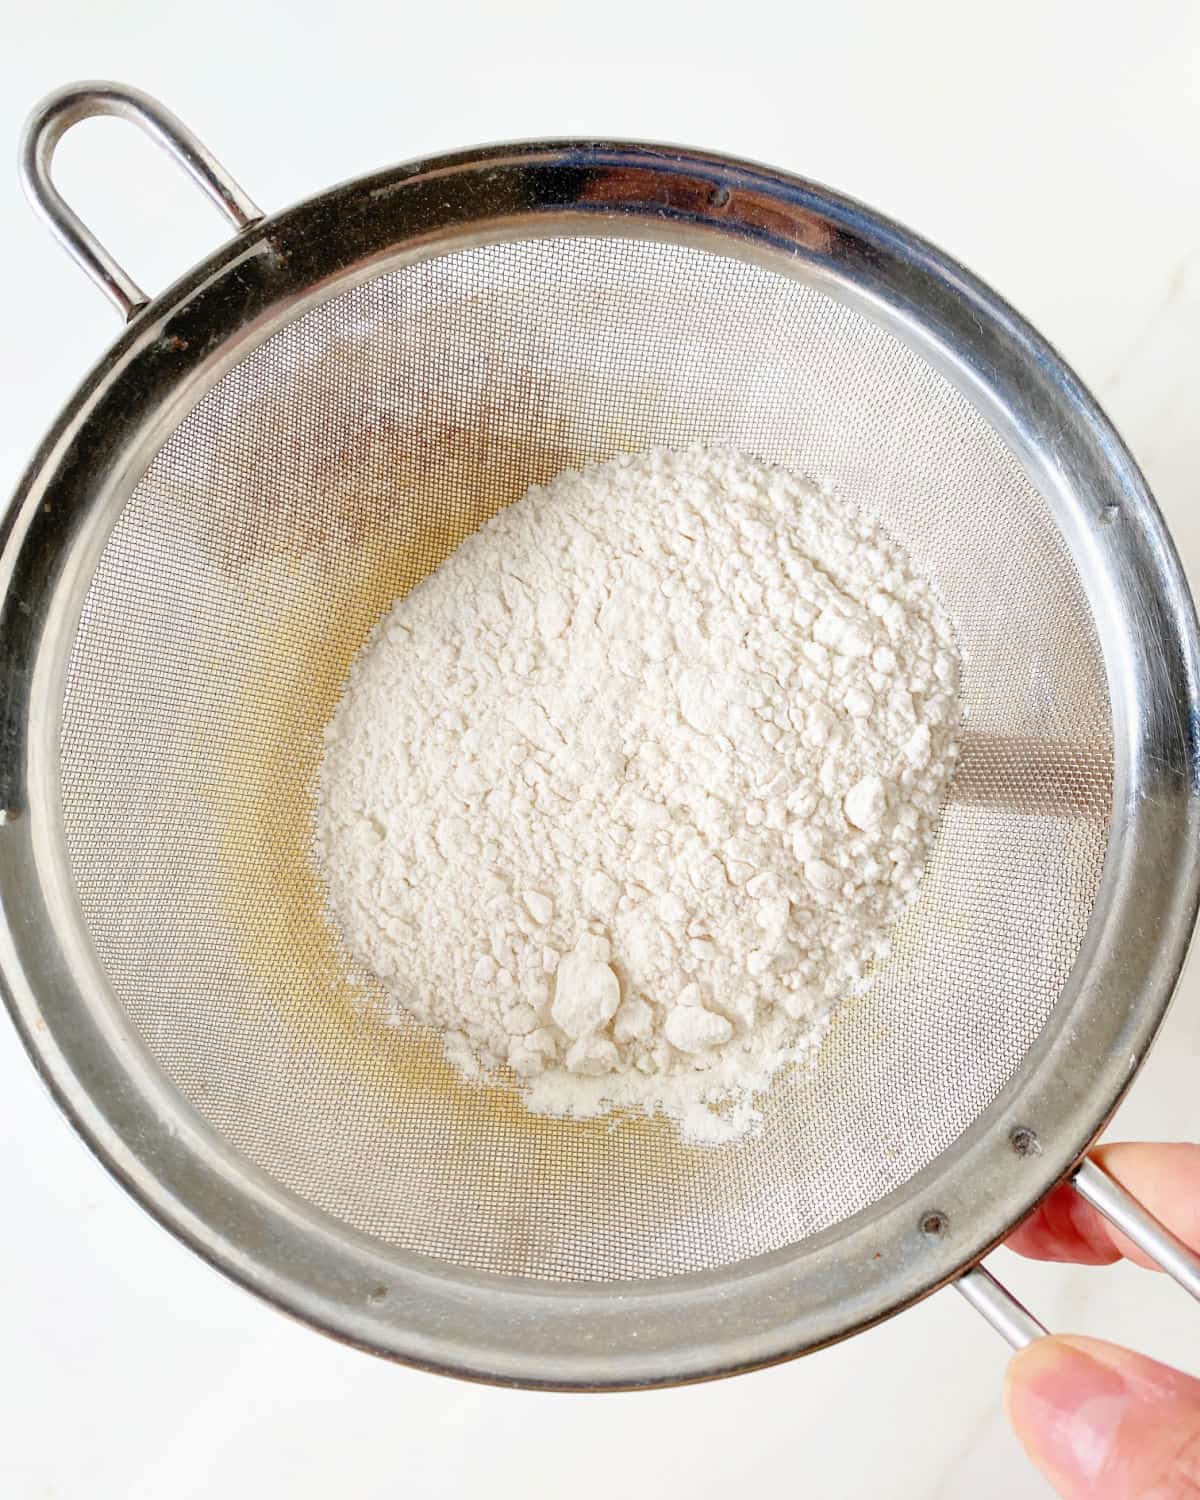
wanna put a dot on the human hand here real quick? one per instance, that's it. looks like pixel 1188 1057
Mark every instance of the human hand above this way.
pixel 1099 1420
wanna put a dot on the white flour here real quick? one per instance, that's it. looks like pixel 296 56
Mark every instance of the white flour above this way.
pixel 632 789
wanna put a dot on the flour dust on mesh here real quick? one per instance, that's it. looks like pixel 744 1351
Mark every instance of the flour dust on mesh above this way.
pixel 632 789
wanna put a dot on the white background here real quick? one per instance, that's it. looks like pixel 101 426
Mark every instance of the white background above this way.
pixel 1055 148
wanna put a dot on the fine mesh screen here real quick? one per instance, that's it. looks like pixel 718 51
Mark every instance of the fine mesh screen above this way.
pixel 338 464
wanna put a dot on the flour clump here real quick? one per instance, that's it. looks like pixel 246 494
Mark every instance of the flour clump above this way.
pixel 632 789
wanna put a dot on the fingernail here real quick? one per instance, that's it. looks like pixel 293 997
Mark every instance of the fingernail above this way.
pixel 1067 1408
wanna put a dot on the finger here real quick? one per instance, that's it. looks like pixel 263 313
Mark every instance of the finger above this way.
pixel 1105 1423
pixel 1164 1177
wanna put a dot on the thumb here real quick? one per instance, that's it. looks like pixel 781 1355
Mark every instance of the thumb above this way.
pixel 1105 1423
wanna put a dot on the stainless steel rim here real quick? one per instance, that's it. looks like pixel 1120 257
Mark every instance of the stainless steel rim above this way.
pixel 762 1310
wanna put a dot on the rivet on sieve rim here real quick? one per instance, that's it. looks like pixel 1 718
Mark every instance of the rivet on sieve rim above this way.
pixel 935 1224
pixel 1108 514
pixel 377 1294
pixel 1025 1142
pixel 719 198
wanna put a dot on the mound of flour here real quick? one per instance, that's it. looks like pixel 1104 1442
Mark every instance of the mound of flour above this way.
pixel 632 789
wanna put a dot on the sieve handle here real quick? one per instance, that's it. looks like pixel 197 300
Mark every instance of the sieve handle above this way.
pixel 1015 1323
pixel 1124 1212
pixel 1011 1319
pixel 51 120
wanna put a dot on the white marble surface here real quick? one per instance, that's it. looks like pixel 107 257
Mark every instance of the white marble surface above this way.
pixel 1054 149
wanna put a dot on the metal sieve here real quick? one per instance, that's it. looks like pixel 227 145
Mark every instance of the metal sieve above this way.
pixel 309 422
